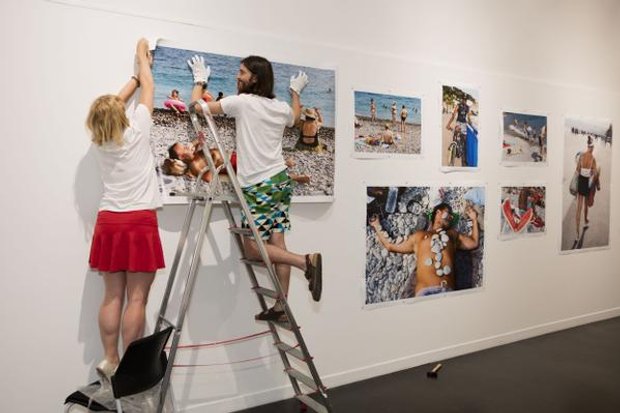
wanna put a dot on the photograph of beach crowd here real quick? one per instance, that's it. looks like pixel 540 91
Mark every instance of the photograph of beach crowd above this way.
pixel 311 167
pixel 524 139
pixel 523 211
pixel 585 208
pixel 386 124
pixel 441 264
pixel 459 143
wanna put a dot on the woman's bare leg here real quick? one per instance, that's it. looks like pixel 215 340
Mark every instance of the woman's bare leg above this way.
pixel 110 313
pixel 578 215
pixel 138 287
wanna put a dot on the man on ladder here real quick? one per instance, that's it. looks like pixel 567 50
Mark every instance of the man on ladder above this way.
pixel 260 120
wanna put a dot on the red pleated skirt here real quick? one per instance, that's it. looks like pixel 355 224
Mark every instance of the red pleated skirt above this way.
pixel 126 241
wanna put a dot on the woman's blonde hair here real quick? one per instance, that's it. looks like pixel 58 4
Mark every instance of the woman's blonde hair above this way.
pixel 107 120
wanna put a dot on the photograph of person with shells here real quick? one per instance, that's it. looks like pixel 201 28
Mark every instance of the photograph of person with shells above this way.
pixel 423 241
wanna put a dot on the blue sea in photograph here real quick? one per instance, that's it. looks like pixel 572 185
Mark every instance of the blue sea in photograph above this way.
pixel 384 104
pixel 535 121
pixel 170 71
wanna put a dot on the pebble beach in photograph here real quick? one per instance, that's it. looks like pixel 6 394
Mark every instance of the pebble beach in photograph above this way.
pixel 169 127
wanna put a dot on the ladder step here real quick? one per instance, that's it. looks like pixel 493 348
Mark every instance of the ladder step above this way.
pixel 299 376
pixel 200 196
pixel 287 326
pixel 311 403
pixel 267 292
pixel 256 263
pixel 241 231
pixel 167 323
pixel 295 352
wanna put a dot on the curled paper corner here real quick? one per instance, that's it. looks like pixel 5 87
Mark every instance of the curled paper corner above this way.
pixel 153 40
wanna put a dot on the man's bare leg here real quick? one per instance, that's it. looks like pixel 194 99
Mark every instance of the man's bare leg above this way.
pixel 277 255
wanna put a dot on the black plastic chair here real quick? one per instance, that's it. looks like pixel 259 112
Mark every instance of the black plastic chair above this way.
pixel 143 365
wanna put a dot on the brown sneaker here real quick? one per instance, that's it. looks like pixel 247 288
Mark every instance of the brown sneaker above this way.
pixel 314 275
pixel 271 314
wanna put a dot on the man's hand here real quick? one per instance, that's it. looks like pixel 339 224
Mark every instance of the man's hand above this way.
pixel 298 82
pixel 200 72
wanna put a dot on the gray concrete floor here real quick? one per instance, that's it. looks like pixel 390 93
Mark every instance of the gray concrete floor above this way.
pixel 571 371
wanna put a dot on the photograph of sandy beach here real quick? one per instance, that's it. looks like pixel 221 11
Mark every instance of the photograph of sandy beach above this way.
pixel 442 264
pixel 386 125
pixel 524 139
pixel 312 169
pixel 585 207
pixel 522 211
pixel 459 127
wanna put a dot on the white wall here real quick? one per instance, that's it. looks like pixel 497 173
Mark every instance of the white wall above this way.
pixel 554 57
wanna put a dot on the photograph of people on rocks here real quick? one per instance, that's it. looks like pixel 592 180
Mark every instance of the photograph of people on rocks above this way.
pixel 423 241
pixel 308 147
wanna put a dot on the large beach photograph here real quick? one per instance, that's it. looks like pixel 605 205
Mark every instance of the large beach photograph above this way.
pixel 586 184
pixel 523 211
pixel 308 146
pixel 459 128
pixel 423 241
pixel 524 139
pixel 386 125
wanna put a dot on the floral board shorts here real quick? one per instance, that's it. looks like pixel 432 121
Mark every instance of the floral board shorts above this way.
pixel 269 202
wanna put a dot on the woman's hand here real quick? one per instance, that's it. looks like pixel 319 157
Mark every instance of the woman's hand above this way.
pixel 374 222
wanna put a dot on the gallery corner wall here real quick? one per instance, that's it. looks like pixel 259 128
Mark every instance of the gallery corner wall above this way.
pixel 559 59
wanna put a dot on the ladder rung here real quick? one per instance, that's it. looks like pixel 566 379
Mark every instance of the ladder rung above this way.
pixel 200 196
pixel 287 326
pixel 311 403
pixel 240 231
pixel 167 323
pixel 256 263
pixel 295 352
pixel 267 292
pixel 299 376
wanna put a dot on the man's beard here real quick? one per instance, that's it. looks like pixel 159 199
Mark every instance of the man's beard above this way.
pixel 244 87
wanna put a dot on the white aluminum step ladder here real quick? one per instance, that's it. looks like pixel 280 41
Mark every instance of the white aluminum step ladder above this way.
pixel 306 382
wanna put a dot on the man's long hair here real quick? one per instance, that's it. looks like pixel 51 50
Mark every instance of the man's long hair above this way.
pixel 262 70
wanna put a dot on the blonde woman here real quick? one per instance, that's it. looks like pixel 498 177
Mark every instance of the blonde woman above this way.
pixel 126 248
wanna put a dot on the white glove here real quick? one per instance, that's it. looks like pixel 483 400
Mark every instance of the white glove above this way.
pixel 200 72
pixel 299 82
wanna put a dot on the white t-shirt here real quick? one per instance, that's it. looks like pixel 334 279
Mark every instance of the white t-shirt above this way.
pixel 260 123
pixel 128 171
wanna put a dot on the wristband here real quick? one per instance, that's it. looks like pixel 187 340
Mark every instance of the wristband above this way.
pixel 136 79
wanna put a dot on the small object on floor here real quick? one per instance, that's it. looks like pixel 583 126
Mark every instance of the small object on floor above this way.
pixel 433 373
